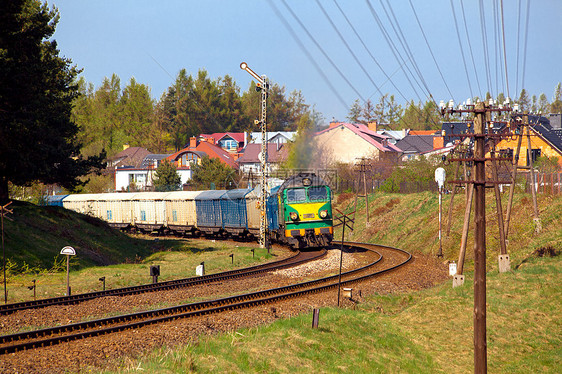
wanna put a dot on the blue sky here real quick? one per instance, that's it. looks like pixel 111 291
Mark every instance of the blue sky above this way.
pixel 152 40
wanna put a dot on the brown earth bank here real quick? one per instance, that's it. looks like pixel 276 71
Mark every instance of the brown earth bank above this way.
pixel 107 351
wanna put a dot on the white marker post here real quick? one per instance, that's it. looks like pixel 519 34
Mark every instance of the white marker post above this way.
pixel 68 251
pixel 440 179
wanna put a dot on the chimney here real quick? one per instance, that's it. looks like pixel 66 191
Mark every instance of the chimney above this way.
pixel 438 142
pixel 193 142
pixel 372 126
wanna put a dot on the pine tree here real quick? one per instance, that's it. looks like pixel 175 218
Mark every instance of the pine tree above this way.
pixel 167 177
pixel 38 139
pixel 556 105
pixel 355 112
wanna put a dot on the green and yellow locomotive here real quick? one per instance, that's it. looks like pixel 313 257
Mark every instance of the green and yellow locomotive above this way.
pixel 300 211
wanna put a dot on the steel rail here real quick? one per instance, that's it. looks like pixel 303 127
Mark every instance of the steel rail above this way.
pixel 189 310
pixel 162 286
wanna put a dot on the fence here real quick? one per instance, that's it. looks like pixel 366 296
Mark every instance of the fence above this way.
pixel 547 183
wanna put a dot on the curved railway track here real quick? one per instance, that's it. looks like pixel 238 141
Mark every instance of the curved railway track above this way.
pixel 56 335
pixel 297 259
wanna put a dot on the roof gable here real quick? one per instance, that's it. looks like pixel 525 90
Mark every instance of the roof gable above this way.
pixel 275 153
pixel 379 141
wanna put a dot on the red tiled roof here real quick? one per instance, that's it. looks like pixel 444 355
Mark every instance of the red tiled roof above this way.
pixel 274 153
pixel 211 150
pixel 238 136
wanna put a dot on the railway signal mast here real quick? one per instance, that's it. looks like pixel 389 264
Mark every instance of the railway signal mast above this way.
pixel 262 86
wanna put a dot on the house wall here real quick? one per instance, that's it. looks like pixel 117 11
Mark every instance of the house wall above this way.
pixel 343 145
pixel 143 178
pixel 536 143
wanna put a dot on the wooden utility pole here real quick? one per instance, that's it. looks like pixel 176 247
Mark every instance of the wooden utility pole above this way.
pixel 513 178
pixel 480 347
pixel 538 226
pixel 363 176
pixel 477 189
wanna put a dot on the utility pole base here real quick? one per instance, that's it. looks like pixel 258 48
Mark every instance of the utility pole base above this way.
pixel 538 225
pixel 503 263
pixel 458 280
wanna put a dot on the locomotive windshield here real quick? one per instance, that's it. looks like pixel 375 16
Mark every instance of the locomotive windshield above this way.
pixel 296 195
pixel 317 193
pixel 301 195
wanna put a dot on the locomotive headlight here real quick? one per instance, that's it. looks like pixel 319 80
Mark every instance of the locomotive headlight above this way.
pixel 323 214
pixel 294 216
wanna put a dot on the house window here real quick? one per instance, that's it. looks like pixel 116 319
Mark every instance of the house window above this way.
pixel 535 153
pixel 188 158
pixel 137 178
pixel 174 216
pixel 109 215
pixel 229 144
pixel 143 215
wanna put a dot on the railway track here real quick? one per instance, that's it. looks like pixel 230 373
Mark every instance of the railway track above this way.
pixel 46 337
pixel 297 259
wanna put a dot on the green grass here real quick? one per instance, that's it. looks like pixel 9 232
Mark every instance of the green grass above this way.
pixel 174 264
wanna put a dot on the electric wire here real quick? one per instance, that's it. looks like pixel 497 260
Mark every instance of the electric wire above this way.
pixel 394 108
pixel 322 50
pixel 470 48
pixel 504 55
pixel 388 78
pixel 496 44
pixel 347 46
pixel 391 45
pixel 307 53
pixel 485 44
pixel 525 43
pixel 400 36
pixel 517 47
pixel 461 48
pixel 430 50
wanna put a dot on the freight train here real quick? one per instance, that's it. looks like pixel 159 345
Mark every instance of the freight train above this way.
pixel 299 211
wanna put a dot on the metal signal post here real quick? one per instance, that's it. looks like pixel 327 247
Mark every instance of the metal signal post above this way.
pixel 262 86
pixel 4 211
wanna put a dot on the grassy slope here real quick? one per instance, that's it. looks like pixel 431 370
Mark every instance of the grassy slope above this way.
pixel 37 234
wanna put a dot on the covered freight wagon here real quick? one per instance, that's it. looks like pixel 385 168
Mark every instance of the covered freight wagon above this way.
pixel 181 213
pixel 208 207
pixel 233 210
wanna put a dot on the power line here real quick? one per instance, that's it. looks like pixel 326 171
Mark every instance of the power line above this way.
pixel 347 46
pixel 470 48
pixel 517 47
pixel 485 44
pixel 391 45
pixel 307 53
pixel 430 50
pixel 525 44
pixel 504 55
pixel 322 50
pixel 388 78
pixel 405 46
pixel 461 48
